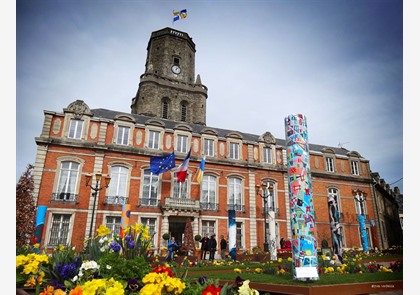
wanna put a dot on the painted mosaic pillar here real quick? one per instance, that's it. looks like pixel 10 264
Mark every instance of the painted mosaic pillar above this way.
pixel 363 234
pixel 272 235
pixel 125 218
pixel 337 237
pixel 232 234
pixel 302 217
pixel 39 226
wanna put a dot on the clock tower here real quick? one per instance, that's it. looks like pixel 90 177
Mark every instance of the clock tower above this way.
pixel 169 89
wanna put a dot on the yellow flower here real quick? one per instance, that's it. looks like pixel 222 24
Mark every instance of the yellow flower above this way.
pixel 237 270
pixel 103 231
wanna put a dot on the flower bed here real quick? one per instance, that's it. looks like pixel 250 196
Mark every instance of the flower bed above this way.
pixel 126 266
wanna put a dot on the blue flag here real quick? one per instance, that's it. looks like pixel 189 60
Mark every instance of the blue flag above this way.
pixel 160 164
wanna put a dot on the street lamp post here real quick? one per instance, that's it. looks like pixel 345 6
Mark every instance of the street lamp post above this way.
pixel 264 191
pixel 95 189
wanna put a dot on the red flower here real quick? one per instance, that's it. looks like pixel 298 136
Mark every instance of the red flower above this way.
pixel 163 269
pixel 211 290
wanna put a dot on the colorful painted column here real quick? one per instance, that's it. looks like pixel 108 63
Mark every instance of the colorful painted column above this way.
pixel 232 234
pixel 125 218
pixel 363 235
pixel 39 226
pixel 272 235
pixel 336 234
pixel 302 218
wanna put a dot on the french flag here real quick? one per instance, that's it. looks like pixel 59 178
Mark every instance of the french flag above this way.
pixel 181 171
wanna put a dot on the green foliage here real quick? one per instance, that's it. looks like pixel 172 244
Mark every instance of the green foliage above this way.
pixel 166 236
pixel 197 238
pixel 120 268
pixel 324 243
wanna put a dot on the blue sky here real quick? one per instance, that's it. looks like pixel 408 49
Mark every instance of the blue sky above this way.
pixel 338 62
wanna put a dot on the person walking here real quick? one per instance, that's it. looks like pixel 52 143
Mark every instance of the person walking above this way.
pixel 172 246
pixel 213 246
pixel 204 246
pixel 223 247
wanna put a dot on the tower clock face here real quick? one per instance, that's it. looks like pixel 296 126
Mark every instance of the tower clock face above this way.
pixel 176 69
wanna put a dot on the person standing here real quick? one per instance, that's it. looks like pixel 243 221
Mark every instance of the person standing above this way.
pixel 213 246
pixel 172 246
pixel 223 247
pixel 204 246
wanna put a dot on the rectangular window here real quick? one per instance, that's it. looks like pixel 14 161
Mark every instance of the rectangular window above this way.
pixel 209 147
pixel 360 204
pixel 234 150
pixel 207 227
pixel 75 130
pixel 114 225
pixel 354 167
pixel 154 137
pixel 267 156
pixel 330 164
pixel 123 135
pixel 151 223
pixel 59 231
pixel 181 143
pixel 181 189
pixel 239 235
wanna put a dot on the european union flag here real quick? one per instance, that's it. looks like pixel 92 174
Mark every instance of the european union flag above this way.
pixel 160 164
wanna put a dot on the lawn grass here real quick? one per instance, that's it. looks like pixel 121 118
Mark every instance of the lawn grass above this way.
pixel 287 279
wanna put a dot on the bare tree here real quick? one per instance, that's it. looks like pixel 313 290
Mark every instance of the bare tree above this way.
pixel 25 208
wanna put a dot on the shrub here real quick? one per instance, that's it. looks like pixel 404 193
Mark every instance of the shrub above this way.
pixel 166 236
pixel 197 238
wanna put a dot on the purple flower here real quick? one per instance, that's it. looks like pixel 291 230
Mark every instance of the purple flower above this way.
pixel 127 238
pixel 131 244
pixel 133 285
pixel 115 246
pixel 202 280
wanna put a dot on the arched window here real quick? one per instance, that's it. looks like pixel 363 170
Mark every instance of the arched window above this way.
pixel 184 111
pixel 69 173
pixel 235 201
pixel 208 193
pixel 165 108
pixel 117 192
pixel 150 189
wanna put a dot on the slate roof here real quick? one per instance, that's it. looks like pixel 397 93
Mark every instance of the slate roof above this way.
pixel 197 128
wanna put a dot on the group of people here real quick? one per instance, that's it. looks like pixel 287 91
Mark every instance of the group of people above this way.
pixel 210 245
pixel 207 245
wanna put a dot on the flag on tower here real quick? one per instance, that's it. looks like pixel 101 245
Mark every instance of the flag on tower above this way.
pixel 181 171
pixel 201 170
pixel 179 14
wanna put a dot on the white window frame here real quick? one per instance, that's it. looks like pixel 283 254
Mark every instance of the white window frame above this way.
pixel 150 189
pixel 208 147
pixel 123 135
pixel 235 193
pixel 209 192
pixel 208 227
pixel 333 192
pixel 153 141
pixel 180 189
pixel 360 206
pixel 75 129
pixel 59 230
pixel 182 143
pixel 329 164
pixel 267 155
pixel 240 235
pixel 118 185
pixel 68 181
pixel 114 224
pixel 151 223
pixel 234 150
pixel 354 167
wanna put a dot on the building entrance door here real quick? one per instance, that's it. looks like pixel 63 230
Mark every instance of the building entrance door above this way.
pixel 176 228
